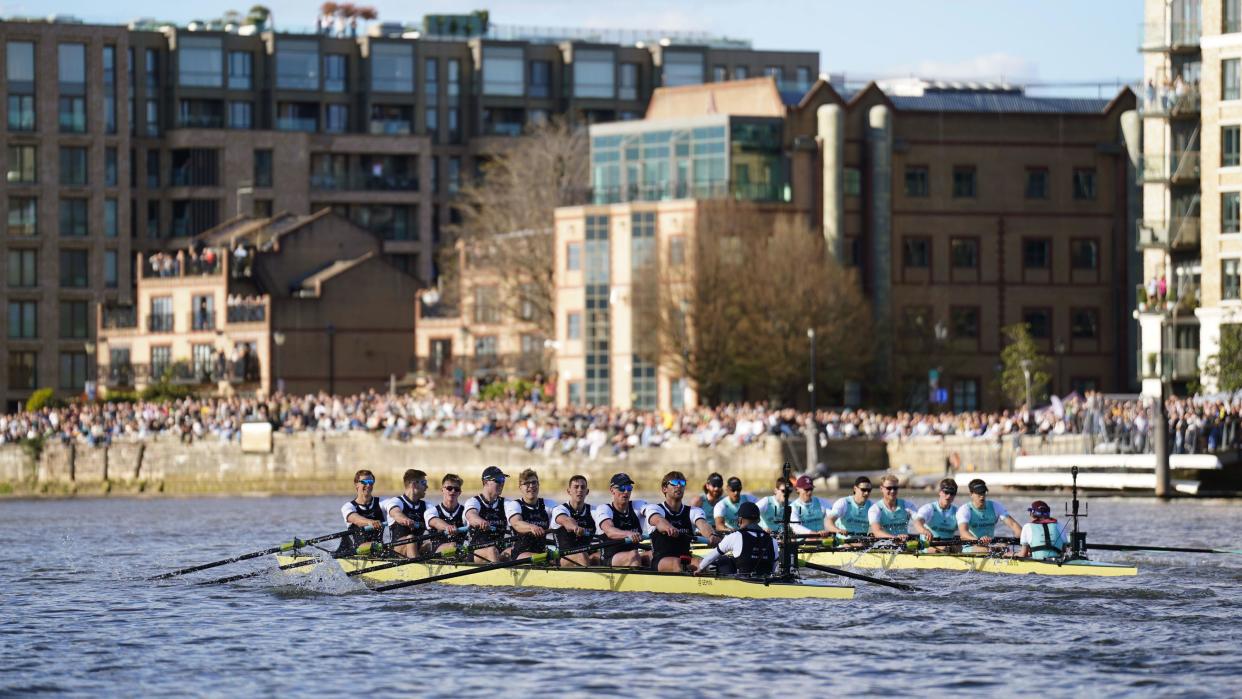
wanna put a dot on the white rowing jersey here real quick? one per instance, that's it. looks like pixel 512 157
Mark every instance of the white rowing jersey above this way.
pixel 659 508
pixel 372 510
pixel 604 512
pixel 514 507
pixel 732 545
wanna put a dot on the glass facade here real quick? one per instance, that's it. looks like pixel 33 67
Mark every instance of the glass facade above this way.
pixel 594 74
pixel 503 71
pixel 682 68
pixel 643 298
pixel 597 311
pixel 200 62
pixel 392 67
pixel 297 65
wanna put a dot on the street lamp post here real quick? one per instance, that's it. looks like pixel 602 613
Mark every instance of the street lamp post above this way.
pixel 1026 372
pixel 278 338
pixel 812 429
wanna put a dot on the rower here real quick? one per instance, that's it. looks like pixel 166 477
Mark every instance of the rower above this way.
pixel 673 524
pixel 725 512
pixel 772 507
pixel 485 515
pixel 619 518
pixel 890 517
pixel 848 515
pixel 529 517
pixel 407 514
pixel 754 551
pixel 1042 538
pixel 808 511
pixel 449 515
pixel 713 493
pixel 938 520
pixel 976 521
pixel 573 524
pixel 363 514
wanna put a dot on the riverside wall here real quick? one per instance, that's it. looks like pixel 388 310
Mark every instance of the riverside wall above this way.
pixel 308 464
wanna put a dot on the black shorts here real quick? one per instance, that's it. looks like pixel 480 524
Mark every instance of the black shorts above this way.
pixel 657 557
pixel 400 531
pixel 529 544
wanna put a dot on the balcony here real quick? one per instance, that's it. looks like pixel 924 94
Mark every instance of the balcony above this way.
pixel 118 317
pixel 201 121
pixel 1178 365
pixel 1178 100
pixel 391 127
pixel 240 312
pixel 160 323
pixel 516 364
pixel 364 182
pixel 711 189
pixel 1177 168
pixel 1170 36
pixel 1179 233
pixel 121 375
pixel 165 266
pixel 307 124
pixel 202 321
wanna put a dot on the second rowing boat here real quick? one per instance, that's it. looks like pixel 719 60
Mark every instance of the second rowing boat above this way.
pixel 978 562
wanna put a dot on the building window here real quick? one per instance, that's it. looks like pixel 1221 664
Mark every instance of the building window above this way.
pixel 200 61
pixel 23 216
pixel 241 70
pixel 1038 322
pixel 594 74
pixel 336 118
pixel 965 395
pixel 153 218
pixel 73 166
pixel 628 87
pixel 72 371
pixel 71 64
pixel 573 257
pixel 111 218
pixel 1084 323
pixel 802 80
pixel 161 359
pixel 963 182
pixel 454 125
pixel 1037 183
pixel 392 67
pixel 263 209
pixel 964 323
pixel 240 115
pixel 335 66
pixel 486 305
pixel 916 181
pixel 1036 253
pixel 23 165
pixel 720 74
pixel 573 326
pixel 263 168
pixel 485 346
pixel 1084 183
pixel 1229 202
pixel 23 320
pixel 454 174
pixel 916 253
pixel 23 370
pixel 454 78
pixel 965 253
pixel 20 71
pixel 153 168
pixel 152 75
pixel 74 266
pixel 73 218
pixel 540 79
pixel 741 72
pixel 111 276
pixel 153 118
pixel 297 116
pixel 575 392
pixel 431 81
pixel 1231 279
pixel 23 268
pixel 73 320
pixel 21 112
pixel 1230 79
pixel 682 68
pixel 110 167
pixel 297 65
pixel 1084 254
pixel 643 386
pixel 851 181
pixel 1229 145
pixel 1231 17
pixel 502 71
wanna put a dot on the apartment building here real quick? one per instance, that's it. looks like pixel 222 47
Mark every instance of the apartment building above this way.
pixel 964 208
pixel 135 139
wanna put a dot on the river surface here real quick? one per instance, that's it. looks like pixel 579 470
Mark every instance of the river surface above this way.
pixel 77 617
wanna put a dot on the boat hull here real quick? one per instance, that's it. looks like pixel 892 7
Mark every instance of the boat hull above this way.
pixel 601 579
pixel 980 563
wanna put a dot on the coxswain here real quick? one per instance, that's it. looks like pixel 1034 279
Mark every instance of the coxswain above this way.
pixel 620 518
pixel 725 512
pixel 976 520
pixel 673 524
pixel 754 552
pixel 529 517
pixel 485 515
pixel 363 514
pixel 713 493
pixel 808 511
pixel 407 515
pixel 938 520
pixel 890 517
pixel 573 524
pixel 1043 538
pixel 449 515
pixel 848 515
pixel 772 507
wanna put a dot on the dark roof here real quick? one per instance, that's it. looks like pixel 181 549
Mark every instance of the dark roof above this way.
pixel 793 98
pixel 1000 103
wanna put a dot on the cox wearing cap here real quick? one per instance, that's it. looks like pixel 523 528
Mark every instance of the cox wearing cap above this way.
pixel 753 551
pixel 1042 538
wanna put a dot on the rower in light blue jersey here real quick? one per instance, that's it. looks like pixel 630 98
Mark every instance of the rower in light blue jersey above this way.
pixel 848 515
pixel 808 510
pixel 725 513
pixel 938 520
pixel 890 518
pixel 977 520
pixel 772 508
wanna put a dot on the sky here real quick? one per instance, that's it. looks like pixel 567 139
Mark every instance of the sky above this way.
pixel 1023 41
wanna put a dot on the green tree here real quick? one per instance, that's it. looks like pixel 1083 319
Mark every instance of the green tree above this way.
pixel 1020 349
pixel 43 398
pixel 1226 365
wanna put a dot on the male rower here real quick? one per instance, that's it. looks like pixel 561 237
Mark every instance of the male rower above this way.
pixel 754 551
pixel 713 493
pixel 938 520
pixel 407 515
pixel 363 514
pixel 673 524
pixel 620 518
pixel 725 512
pixel 848 515
pixel 1042 538
pixel 449 515
pixel 808 511
pixel 976 521
pixel 529 517
pixel 573 523
pixel 485 515
pixel 772 507
pixel 890 517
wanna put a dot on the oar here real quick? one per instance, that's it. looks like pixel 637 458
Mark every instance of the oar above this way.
pixel 257 573
pixel 857 576
pixel 453 550
pixel 552 554
pixel 1171 549
pixel 287 546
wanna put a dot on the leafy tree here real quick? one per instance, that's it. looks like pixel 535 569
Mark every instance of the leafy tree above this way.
pixel 43 398
pixel 1226 365
pixel 1021 348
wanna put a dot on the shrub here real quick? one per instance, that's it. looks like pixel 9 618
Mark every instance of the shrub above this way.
pixel 118 396
pixel 514 388
pixel 164 391
pixel 43 398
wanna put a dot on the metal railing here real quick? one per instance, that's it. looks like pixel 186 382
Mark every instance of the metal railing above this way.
pixel 1163 36
pixel 160 322
pixel 364 182
pixel 247 312
pixel 1178 167
pixel 775 191
pixel 1175 365
pixel 165 266
pixel 390 127
pixel 202 320
pixel 297 124
pixel 517 364
pixel 118 317
pixel 1180 232
pixel 1176 100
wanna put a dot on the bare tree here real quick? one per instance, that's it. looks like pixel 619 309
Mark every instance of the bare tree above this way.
pixel 508 215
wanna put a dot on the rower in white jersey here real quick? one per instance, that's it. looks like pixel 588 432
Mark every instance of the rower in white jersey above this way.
pixel 407 518
pixel 450 514
pixel 485 514
pixel 529 517
pixel 725 513
pixel 573 524
pixel 890 517
pixel 363 515
pixel 938 520
pixel 848 515
pixel 772 507
pixel 976 520
pixel 808 511
pixel 752 552
pixel 673 524
pixel 621 518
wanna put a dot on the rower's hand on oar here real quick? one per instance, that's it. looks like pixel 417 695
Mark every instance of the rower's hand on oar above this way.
pixel 536 530
pixel 985 540
pixel 667 528
pixel 714 540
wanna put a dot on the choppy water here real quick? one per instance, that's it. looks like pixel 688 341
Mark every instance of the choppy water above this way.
pixel 78 618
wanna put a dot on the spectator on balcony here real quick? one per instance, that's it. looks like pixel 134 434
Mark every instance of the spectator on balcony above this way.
pixel 241 257
pixel 1149 94
pixel 209 261
pixel 204 315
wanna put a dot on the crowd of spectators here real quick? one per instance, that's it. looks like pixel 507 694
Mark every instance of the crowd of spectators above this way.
pixel 1196 424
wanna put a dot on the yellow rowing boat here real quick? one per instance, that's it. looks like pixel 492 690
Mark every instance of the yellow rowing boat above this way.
pixel 980 563
pixel 593 578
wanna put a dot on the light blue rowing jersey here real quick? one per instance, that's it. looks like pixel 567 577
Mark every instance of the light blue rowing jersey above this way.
pixel 941 522
pixel 709 509
pixel 1047 539
pixel 772 513
pixel 809 514
pixel 982 522
pixel 851 516
pixel 727 509
pixel 897 521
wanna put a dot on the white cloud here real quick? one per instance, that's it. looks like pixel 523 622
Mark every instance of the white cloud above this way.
pixel 987 67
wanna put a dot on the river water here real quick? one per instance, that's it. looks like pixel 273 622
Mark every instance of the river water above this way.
pixel 77 617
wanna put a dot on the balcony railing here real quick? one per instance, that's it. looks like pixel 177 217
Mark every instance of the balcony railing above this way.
pixel 1179 167
pixel 390 127
pixel 163 265
pixel 201 121
pixel 247 312
pixel 1178 233
pixel 297 124
pixel 1166 36
pixel 721 189
pixel 518 364
pixel 1177 365
pixel 119 317
pixel 160 322
pixel 1179 99
pixel 121 375
pixel 202 320
pixel 363 182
